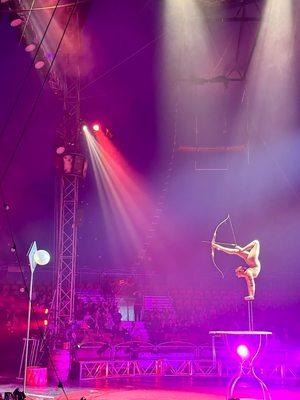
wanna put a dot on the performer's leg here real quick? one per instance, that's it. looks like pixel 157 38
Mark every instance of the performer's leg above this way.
pixel 254 248
pixel 227 250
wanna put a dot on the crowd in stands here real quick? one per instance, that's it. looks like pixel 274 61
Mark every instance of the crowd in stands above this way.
pixel 195 313
pixel 97 319
pixel 192 315
pixel 189 316
pixel 12 309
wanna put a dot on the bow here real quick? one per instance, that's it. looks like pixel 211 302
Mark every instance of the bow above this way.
pixel 213 240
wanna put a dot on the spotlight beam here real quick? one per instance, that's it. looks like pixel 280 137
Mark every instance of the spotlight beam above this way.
pixel 125 203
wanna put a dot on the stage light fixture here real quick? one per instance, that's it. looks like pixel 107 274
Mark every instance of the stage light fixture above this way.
pixel 40 59
pixel 29 39
pixel 39 64
pixel 243 351
pixel 30 47
pixel 85 129
pixel 41 257
pixel 14 19
pixel 96 127
pixel 60 150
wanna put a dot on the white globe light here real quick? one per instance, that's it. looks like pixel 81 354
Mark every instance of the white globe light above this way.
pixel 41 257
pixel 243 351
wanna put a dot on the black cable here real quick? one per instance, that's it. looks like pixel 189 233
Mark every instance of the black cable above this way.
pixel 12 108
pixel 22 10
pixel 33 311
pixel 6 207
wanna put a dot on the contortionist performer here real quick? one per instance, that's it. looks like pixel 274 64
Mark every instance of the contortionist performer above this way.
pixel 249 253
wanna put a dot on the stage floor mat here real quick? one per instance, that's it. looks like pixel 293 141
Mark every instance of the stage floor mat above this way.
pixel 166 388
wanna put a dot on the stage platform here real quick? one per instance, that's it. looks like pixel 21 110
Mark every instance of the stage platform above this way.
pixel 155 388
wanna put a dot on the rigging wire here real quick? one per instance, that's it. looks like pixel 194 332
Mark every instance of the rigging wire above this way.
pixel 128 58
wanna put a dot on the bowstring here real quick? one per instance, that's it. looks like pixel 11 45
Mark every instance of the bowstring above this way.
pixel 232 230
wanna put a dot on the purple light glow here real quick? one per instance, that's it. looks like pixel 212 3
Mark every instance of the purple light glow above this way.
pixel 243 351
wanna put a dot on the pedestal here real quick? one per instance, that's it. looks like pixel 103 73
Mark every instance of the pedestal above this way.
pixel 246 363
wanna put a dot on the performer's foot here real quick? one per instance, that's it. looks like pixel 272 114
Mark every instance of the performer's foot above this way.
pixel 249 298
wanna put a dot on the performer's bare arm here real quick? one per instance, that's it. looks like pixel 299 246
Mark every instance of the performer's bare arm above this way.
pixel 250 284
pixel 241 272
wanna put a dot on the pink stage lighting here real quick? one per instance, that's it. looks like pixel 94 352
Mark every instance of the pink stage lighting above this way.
pixel 243 351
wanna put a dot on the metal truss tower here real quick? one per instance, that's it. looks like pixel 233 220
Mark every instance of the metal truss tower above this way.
pixel 66 257
pixel 72 165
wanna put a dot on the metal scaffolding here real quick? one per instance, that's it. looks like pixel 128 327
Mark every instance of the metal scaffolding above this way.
pixel 66 257
pixel 71 164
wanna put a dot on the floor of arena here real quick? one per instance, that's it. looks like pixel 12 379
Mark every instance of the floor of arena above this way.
pixel 167 388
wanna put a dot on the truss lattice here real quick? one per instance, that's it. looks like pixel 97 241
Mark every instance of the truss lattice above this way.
pixel 91 370
pixel 67 243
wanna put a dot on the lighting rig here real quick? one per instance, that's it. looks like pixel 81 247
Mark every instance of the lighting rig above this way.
pixel 20 19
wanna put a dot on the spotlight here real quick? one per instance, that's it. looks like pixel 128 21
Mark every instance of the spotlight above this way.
pixel 243 351
pixel 30 47
pixel 41 257
pixel 39 64
pixel 85 129
pixel 14 19
pixel 60 150
pixel 30 40
pixel 96 127
pixel 6 207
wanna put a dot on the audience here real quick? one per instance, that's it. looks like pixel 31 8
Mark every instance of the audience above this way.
pixel 188 316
